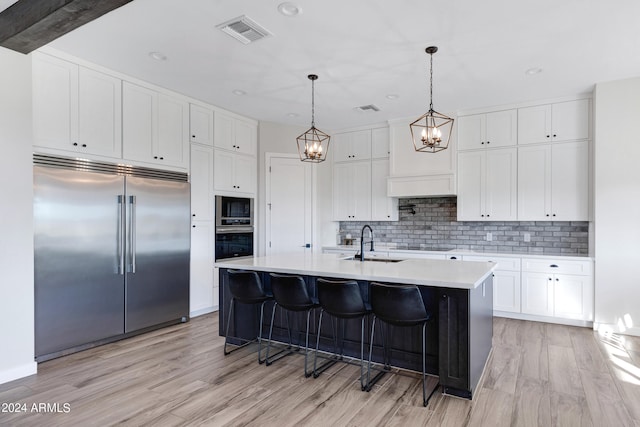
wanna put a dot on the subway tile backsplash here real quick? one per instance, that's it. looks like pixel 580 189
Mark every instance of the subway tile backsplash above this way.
pixel 434 226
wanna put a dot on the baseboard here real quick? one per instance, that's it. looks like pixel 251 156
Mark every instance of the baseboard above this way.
pixel 616 328
pixel 18 372
pixel 546 319
pixel 203 311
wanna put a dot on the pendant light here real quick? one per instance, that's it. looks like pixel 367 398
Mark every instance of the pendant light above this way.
pixel 432 131
pixel 313 145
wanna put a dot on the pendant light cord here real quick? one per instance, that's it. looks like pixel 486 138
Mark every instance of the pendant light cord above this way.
pixel 313 102
pixel 431 83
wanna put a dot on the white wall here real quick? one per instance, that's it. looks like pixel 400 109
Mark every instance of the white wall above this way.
pixel 16 218
pixel 617 206
pixel 278 138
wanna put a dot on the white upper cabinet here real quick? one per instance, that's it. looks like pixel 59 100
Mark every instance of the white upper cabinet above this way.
pixel 352 191
pixel 563 121
pixel 76 109
pixel 234 173
pixel 350 146
pixel 380 143
pixel 234 135
pixel 553 182
pixel 488 130
pixel 200 125
pixel 487 185
pixel 155 127
pixel 201 174
pixel 383 208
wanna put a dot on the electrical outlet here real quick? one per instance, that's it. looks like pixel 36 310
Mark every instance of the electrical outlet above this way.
pixel 489 237
pixel 527 237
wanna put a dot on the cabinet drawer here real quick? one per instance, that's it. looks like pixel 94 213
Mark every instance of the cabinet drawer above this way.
pixel 557 265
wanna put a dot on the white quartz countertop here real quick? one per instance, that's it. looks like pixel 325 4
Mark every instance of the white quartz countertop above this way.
pixel 427 272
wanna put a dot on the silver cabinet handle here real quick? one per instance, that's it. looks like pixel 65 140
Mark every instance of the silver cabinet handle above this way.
pixel 120 235
pixel 132 233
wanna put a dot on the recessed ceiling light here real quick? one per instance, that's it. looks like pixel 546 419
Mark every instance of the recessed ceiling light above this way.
pixel 533 71
pixel 238 92
pixel 392 96
pixel 158 56
pixel 289 9
pixel 293 115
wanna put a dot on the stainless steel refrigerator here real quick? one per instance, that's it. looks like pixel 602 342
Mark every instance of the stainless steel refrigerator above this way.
pixel 111 252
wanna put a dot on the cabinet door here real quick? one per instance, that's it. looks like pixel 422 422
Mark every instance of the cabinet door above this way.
pixel 341 147
pixel 224 132
pixel 573 297
pixel 173 140
pixel 342 190
pixel 200 125
pixel 139 122
pixel 99 113
pixel 534 183
pixel 245 173
pixel 534 124
pixel 506 291
pixel 223 179
pixel 380 143
pixel 471 132
pixel 501 180
pixel 501 129
pixel 55 102
pixel 246 137
pixel 201 285
pixel 383 208
pixel 570 181
pixel 361 190
pixel 361 145
pixel 471 186
pixel 570 120
pixel 201 183
pixel 537 294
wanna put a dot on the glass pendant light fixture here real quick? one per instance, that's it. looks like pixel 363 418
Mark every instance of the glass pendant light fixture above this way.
pixel 432 131
pixel 313 145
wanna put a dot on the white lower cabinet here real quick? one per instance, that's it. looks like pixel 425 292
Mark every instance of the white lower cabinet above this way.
pixel 558 288
pixel 506 282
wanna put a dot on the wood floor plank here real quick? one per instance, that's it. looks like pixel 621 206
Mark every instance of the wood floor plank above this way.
pixel 502 371
pixel 564 375
pixel 534 360
pixel 569 411
pixel 603 399
pixel 538 374
pixel 532 404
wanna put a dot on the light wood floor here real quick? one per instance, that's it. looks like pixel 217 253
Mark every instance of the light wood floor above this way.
pixel 539 375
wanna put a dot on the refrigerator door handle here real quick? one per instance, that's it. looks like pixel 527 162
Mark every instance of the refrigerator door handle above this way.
pixel 132 233
pixel 120 235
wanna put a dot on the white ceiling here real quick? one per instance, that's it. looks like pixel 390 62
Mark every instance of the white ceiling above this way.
pixel 363 50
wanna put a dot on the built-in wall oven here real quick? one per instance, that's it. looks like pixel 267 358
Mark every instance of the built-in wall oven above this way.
pixel 234 227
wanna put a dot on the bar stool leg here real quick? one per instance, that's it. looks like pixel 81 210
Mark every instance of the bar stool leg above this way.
pixel 330 362
pixel 307 373
pixel 362 384
pixel 424 370
pixel 260 333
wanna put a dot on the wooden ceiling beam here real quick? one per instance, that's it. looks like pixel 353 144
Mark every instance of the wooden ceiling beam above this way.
pixel 29 24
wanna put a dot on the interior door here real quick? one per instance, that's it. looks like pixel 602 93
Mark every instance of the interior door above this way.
pixel 157 256
pixel 289 215
pixel 79 281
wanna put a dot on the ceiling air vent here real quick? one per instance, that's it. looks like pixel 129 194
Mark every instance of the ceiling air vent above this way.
pixel 367 108
pixel 244 29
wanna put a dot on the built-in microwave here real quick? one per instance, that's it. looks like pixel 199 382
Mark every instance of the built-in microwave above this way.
pixel 234 211
pixel 234 227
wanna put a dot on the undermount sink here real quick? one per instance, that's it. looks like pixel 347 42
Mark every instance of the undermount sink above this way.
pixel 357 258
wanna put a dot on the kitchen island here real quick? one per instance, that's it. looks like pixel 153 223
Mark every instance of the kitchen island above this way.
pixel 458 294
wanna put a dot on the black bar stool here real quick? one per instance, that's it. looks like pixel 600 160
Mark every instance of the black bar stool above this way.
pixel 398 305
pixel 342 300
pixel 246 288
pixel 291 294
